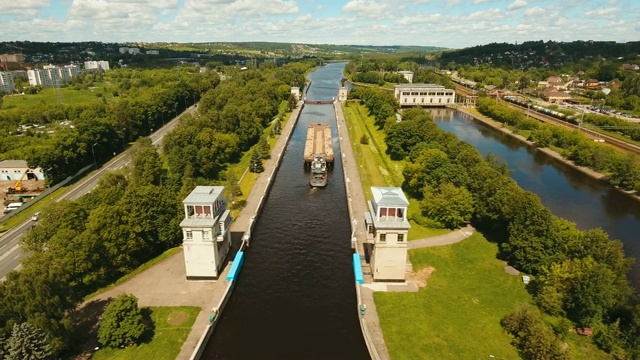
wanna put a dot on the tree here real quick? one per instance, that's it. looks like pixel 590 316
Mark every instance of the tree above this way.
pixel 28 342
pixel 532 338
pixel 450 205
pixel 121 323
pixel 264 148
pixel 256 162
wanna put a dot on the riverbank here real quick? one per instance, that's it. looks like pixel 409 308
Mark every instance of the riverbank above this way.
pixel 553 154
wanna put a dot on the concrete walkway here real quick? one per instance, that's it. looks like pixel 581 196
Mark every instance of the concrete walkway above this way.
pixel 446 239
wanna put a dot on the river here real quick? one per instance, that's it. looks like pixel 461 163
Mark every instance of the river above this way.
pixel 295 296
pixel 566 191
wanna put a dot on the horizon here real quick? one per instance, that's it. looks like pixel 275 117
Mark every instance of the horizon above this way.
pixel 451 24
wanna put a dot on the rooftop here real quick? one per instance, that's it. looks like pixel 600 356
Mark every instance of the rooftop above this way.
pixel 203 195
pixel 419 86
pixel 13 164
pixel 389 196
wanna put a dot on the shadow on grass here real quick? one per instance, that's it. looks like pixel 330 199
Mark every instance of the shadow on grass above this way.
pixel 150 326
pixel 86 321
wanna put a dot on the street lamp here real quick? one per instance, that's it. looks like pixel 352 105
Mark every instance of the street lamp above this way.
pixel 124 147
pixel 95 163
pixel 176 109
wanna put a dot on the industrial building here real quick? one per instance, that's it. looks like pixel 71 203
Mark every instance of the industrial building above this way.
pixel 423 95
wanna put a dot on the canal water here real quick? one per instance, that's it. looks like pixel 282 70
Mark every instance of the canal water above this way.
pixel 567 192
pixel 295 296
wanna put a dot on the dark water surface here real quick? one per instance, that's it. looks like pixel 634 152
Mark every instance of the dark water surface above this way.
pixel 567 192
pixel 295 296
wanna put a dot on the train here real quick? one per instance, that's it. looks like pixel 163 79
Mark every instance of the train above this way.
pixel 543 110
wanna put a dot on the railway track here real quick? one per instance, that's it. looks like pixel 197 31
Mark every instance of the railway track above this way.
pixel 592 134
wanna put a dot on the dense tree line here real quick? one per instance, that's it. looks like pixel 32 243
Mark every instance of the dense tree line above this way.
pixel 622 170
pixel 580 275
pixel 80 246
pixel 144 101
pixel 381 70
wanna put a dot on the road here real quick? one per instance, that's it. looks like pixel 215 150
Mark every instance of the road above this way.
pixel 10 252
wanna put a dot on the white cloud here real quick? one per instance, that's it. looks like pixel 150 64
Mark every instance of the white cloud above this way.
pixel 450 3
pixel 606 12
pixel 13 7
pixel 485 15
pixel 518 4
pixel 365 7
pixel 420 19
pixel 535 11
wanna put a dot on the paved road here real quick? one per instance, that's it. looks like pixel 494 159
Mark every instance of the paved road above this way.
pixel 10 252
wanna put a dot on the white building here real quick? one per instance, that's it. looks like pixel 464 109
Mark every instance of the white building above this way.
pixel 387 229
pixel 128 50
pixel 152 52
pixel 423 95
pixel 407 75
pixel 206 232
pixel 295 91
pixel 51 75
pixel 13 170
pixel 6 82
pixel 97 65
pixel 343 94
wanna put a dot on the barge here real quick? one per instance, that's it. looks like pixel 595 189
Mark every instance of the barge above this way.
pixel 319 141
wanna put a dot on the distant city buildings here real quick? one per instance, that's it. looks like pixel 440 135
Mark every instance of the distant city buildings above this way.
pixel 52 75
pixel 96 65
pixel 11 61
pixel 152 52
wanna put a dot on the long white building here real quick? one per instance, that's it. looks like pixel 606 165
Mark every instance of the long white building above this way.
pixel 6 82
pixel 423 95
pixel 97 65
pixel 51 75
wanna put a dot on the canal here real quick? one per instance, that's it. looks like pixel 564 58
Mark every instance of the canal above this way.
pixel 566 191
pixel 295 296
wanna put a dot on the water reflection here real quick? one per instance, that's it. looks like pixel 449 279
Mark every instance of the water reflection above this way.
pixel 566 191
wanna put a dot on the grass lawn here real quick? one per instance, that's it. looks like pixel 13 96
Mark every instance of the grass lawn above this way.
pixel 376 168
pixel 457 315
pixel 171 328
pixel 49 96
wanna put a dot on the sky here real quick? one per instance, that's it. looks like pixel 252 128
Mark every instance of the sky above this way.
pixel 443 23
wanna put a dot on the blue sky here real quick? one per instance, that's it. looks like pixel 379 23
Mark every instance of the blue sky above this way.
pixel 446 23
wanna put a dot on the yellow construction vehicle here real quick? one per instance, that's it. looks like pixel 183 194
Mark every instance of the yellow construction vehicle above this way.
pixel 17 187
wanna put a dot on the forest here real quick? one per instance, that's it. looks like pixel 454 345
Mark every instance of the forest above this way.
pixel 579 276
pixel 133 215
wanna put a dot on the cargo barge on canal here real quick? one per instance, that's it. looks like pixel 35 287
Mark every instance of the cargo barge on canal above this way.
pixel 318 153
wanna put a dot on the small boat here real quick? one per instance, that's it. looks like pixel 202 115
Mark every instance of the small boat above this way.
pixel 318 175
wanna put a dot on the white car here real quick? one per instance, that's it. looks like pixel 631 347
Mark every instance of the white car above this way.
pixel 35 216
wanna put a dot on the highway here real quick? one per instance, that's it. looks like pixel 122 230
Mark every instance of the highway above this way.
pixel 10 252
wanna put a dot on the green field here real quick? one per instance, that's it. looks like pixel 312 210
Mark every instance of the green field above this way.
pixel 375 166
pixel 457 315
pixel 171 326
pixel 50 96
